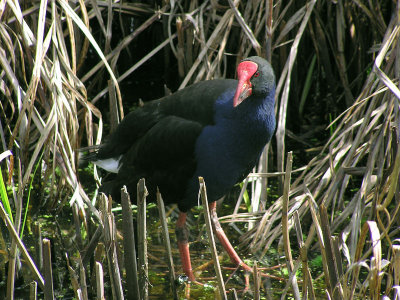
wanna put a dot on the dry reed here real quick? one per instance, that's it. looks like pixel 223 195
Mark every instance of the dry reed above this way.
pixel 344 54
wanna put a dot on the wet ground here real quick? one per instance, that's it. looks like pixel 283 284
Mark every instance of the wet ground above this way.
pixel 60 230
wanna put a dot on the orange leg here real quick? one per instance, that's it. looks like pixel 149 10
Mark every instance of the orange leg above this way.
pixel 182 236
pixel 219 232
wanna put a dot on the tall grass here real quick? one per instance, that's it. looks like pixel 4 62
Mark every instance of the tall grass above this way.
pixel 337 58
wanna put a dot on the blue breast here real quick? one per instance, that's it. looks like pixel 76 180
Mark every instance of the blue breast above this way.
pixel 226 151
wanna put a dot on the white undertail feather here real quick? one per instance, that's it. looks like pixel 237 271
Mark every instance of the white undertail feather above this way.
pixel 110 164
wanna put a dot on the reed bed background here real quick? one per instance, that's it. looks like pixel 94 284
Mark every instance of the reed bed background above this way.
pixel 69 68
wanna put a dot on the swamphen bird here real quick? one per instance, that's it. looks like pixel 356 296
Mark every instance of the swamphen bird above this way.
pixel 216 129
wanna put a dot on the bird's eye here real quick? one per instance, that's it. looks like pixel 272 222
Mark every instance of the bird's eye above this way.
pixel 256 74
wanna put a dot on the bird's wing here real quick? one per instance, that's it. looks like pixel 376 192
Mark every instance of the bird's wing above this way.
pixel 164 156
pixel 169 142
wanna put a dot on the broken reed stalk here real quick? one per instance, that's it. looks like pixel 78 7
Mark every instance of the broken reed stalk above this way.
pixel 110 245
pixel 142 241
pixel 256 279
pixel 213 249
pixel 285 223
pixel 11 270
pixel 308 288
pixel 48 274
pixel 167 243
pixel 99 282
pixel 82 277
pixel 129 247
pixel 74 279
pixel 33 290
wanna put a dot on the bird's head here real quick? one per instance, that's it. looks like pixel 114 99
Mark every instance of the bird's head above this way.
pixel 256 77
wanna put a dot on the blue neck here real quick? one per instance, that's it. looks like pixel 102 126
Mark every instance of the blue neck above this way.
pixel 253 119
pixel 227 150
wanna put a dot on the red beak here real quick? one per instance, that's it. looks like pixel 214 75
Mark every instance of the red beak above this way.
pixel 245 70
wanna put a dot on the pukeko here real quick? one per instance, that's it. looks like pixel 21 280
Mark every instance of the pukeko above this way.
pixel 216 129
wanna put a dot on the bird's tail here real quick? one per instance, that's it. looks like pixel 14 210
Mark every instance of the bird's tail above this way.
pixel 88 153
pixel 91 154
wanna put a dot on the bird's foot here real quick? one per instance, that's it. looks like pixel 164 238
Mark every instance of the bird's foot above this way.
pixel 247 270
